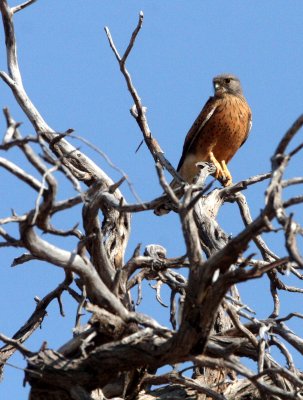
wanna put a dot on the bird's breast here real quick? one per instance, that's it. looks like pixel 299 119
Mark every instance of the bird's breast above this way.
pixel 227 129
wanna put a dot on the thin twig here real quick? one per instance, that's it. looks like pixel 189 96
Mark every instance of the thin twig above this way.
pixel 22 6
pixel 296 126
pixel 110 163
pixel 133 38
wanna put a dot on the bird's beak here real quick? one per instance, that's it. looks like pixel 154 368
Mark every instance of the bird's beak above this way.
pixel 219 89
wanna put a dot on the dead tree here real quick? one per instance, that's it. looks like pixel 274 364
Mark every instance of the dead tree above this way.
pixel 118 352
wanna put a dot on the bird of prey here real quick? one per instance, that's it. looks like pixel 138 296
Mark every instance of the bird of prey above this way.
pixel 219 131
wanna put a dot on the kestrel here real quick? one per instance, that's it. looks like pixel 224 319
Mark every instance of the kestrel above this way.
pixel 218 132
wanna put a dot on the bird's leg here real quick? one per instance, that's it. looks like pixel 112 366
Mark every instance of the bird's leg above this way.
pixel 228 178
pixel 219 174
pixel 222 173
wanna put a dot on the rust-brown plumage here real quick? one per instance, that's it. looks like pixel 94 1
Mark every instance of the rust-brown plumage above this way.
pixel 219 130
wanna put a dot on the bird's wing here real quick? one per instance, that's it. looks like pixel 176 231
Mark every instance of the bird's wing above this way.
pixel 249 125
pixel 202 119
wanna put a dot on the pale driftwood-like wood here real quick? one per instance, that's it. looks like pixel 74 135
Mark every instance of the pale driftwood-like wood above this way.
pixel 117 354
pixel 82 168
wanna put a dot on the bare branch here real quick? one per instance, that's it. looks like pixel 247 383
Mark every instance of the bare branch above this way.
pixel 187 382
pixel 112 165
pixel 34 321
pixel 17 345
pixel 138 111
pixel 296 126
pixel 72 262
pixel 22 6
pixel 112 44
pixel 133 38
pixel 20 173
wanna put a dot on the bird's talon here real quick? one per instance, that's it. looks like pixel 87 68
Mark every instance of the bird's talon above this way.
pixel 227 182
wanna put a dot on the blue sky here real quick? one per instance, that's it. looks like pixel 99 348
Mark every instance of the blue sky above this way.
pixel 72 77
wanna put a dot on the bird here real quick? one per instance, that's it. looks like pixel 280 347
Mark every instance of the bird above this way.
pixel 220 129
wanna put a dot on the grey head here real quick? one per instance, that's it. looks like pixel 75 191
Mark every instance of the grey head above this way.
pixel 227 83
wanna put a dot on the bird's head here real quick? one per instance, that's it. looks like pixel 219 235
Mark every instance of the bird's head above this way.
pixel 227 83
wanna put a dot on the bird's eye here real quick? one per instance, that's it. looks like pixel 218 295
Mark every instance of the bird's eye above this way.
pixel 227 80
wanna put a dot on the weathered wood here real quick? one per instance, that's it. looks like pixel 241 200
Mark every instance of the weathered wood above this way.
pixel 118 353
